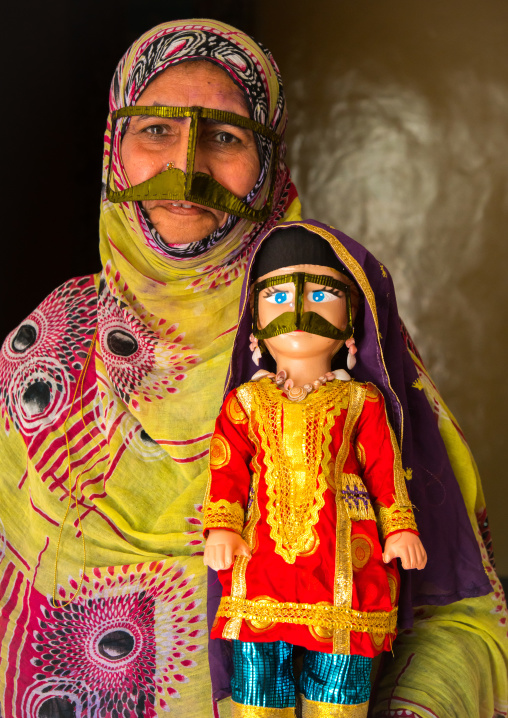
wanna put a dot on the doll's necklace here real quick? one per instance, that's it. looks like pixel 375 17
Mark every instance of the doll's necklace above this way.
pixel 299 393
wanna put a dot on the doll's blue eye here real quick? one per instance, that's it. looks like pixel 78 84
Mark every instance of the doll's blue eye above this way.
pixel 319 296
pixel 279 297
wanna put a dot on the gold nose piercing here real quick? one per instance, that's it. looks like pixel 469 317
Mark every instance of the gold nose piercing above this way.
pixel 170 165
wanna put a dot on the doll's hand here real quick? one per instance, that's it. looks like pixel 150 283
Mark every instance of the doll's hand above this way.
pixel 406 546
pixel 221 547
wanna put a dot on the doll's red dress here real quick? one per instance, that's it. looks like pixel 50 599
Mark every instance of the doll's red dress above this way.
pixel 310 485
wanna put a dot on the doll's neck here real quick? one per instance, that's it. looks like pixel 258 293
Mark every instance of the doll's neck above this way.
pixel 304 371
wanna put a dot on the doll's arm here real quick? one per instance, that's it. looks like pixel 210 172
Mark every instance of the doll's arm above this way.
pixel 227 494
pixel 384 477
pixel 222 546
pixel 407 546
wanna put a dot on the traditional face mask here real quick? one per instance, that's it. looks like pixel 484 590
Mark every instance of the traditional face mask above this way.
pixel 198 187
pixel 310 322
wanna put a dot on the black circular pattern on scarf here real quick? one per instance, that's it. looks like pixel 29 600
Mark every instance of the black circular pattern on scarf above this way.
pixel 121 343
pixel 100 670
pixel 41 359
pixel 116 645
pixel 127 346
pixel 24 338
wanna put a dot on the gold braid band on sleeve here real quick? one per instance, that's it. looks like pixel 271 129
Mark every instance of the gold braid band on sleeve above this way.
pixel 323 616
pixel 396 518
pixel 223 515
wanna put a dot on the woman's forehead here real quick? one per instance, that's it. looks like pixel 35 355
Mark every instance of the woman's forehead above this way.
pixel 195 83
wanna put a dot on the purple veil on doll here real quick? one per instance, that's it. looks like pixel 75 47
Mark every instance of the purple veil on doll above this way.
pixel 454 570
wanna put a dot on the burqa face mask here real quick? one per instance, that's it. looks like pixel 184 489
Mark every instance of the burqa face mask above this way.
pixel 291 290
pixel 198 187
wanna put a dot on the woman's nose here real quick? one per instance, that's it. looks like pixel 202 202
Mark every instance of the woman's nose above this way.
pixel 176 157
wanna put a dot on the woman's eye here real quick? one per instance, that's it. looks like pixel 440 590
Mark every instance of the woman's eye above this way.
pixel 280 298
pixel 155 130
pixel 226 138
pixel 320 296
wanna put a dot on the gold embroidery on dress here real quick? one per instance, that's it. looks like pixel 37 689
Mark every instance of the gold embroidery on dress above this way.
pixel 296 439
pixel 356 498
pixel 361 455
pixel 395 518
pixel 220 452
pixel 261 624
pixel 244 396
pixel 343 581
pixel 316 709
pixel 238 710
pixel 223 514
pixel 361 551
pixel 323 615
pixel 235 412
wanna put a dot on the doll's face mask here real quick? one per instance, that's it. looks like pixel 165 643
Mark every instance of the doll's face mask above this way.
pixel 210 131
pixel 305 304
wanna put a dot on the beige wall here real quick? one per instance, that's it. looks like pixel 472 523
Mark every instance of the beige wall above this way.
pixel 398 136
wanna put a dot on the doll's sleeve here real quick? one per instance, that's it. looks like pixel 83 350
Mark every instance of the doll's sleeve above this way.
pixel 378 454
pixel 229 477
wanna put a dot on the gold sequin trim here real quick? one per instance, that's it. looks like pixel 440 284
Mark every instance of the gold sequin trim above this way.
pixel 395 519
pixel 240 711
pixel 343 580
pixel 323 615
pixel 315 709
pixel 220 452
pixel 223 514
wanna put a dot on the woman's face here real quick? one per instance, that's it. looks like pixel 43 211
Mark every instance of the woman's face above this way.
pixel 227 153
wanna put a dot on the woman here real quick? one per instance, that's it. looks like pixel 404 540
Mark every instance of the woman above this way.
pixel 120 422
pixel 136 404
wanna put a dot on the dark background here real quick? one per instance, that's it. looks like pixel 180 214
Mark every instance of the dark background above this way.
pixel 398 135
pixel 59 58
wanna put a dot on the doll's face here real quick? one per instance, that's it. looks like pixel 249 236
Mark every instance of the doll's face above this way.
pixel 329 302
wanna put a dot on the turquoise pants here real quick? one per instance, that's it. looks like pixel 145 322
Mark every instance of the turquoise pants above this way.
pixel 263 676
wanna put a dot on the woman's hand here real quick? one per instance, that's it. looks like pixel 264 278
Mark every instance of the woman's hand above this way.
pixel 222 546
pixel 406 546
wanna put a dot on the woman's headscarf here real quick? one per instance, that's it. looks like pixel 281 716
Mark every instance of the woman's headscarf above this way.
pixel 180 302
pixel 454 569
pixel 124 429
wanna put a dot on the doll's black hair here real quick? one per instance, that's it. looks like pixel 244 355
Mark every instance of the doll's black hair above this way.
pixel 290 246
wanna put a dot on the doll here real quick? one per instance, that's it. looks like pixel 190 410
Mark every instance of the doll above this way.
pixel 306 508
